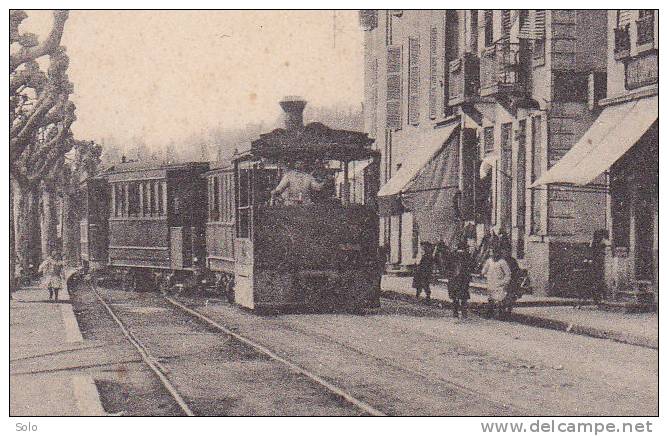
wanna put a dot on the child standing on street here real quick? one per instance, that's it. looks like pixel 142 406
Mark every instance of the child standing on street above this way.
pixel 422 275
pixel 498 275
pixel 459 279
pixel 51 270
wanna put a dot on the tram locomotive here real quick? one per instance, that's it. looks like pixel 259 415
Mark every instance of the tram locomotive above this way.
pixel 216 226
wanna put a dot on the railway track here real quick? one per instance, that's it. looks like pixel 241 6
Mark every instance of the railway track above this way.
pixel 146 357
pixel 461 390
pixel 163 374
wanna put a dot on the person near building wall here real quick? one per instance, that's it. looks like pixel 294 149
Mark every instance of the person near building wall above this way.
pixel 459 279
pixel 423 271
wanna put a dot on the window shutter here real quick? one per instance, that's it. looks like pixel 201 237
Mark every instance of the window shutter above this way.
pixel 474 31
pixel 374 97
pixel 539 24
pixel 489 27
pixel 624 18
pixel 525 24
pixel 433 73
pixel 532 27
pixel 413 80
pixel 393 97
pixel 505 23
pixel 488 139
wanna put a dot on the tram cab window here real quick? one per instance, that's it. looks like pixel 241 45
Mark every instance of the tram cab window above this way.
pixel 215 208
pixel 162 188
pixel 133 199
pixel 119 206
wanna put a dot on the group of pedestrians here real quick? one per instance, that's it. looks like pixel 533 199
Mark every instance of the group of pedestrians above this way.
pixel 500 269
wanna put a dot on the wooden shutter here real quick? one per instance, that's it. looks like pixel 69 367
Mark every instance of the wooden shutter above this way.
pixel 489 27
pixel 505 23
pixel 539 24
pixel 532 24
pixel 504 179
pixel 393 96
pixel 525 24
pixel 474 32
pixel 624 18
pixel 488 139
pixel 374 97
pixel 433 72
pixel 413 80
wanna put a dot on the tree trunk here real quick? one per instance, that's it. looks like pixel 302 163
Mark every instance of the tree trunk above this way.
pixel 71 229
pixel 27 228
pixel 13 285
pixel 49 220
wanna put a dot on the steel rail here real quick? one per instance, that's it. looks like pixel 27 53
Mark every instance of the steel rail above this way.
pixel 152 363
pixel 365 407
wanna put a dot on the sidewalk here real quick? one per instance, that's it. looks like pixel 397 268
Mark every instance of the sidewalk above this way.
pixel 556 313
pixel 631 328
pixel 439 292
pixel 46 378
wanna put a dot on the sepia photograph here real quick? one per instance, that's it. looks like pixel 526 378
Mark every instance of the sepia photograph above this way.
pixel 334 213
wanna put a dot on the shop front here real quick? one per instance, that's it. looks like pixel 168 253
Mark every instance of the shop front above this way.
pixel 619 153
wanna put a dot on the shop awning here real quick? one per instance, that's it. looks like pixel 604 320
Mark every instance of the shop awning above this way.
pixel 426 185
pixel 418 157
pixel 613 133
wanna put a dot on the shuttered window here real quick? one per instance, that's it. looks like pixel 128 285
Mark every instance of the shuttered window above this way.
pixel 489 28
pixel 413 80
pixel 532 24
pixel 393 96
pixel 520 175
pixel 505 23
pixel 536 170
pixel 624 18
pixel 504 179
pixel 433 73
pixel 525 23
pixel 539 24
pixel 374 97
pixel 474 31
pixel 488 139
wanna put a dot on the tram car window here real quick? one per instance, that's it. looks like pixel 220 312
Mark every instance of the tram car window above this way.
pixel 157 224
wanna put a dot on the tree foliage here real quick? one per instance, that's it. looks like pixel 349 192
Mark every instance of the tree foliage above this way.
pixel 41 113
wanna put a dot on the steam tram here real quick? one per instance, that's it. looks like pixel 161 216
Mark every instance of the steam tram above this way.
pixel 217 226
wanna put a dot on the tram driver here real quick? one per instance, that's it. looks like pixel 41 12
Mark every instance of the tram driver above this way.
pixel 298 184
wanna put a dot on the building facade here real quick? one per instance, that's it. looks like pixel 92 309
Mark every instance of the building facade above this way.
pixel 469 108
pixel 633 66
pixel 623 145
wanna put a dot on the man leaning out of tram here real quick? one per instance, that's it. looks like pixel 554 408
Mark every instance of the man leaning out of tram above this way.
pixel 298 184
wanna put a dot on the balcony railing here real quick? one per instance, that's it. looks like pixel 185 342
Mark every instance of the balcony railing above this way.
pixel 622 42
pixel 464 79
pixel 645 30
pixel 502 69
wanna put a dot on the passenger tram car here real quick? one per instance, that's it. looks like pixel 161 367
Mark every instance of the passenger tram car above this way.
pixel 218 227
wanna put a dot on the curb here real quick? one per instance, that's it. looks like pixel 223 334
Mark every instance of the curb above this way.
pixel 397 295
pixel 581 330
pixel 546 323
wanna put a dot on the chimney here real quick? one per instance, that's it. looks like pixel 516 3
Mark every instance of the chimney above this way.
pixel 293 107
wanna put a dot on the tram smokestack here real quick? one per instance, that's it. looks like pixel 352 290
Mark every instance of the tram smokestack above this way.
pixel 294 112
